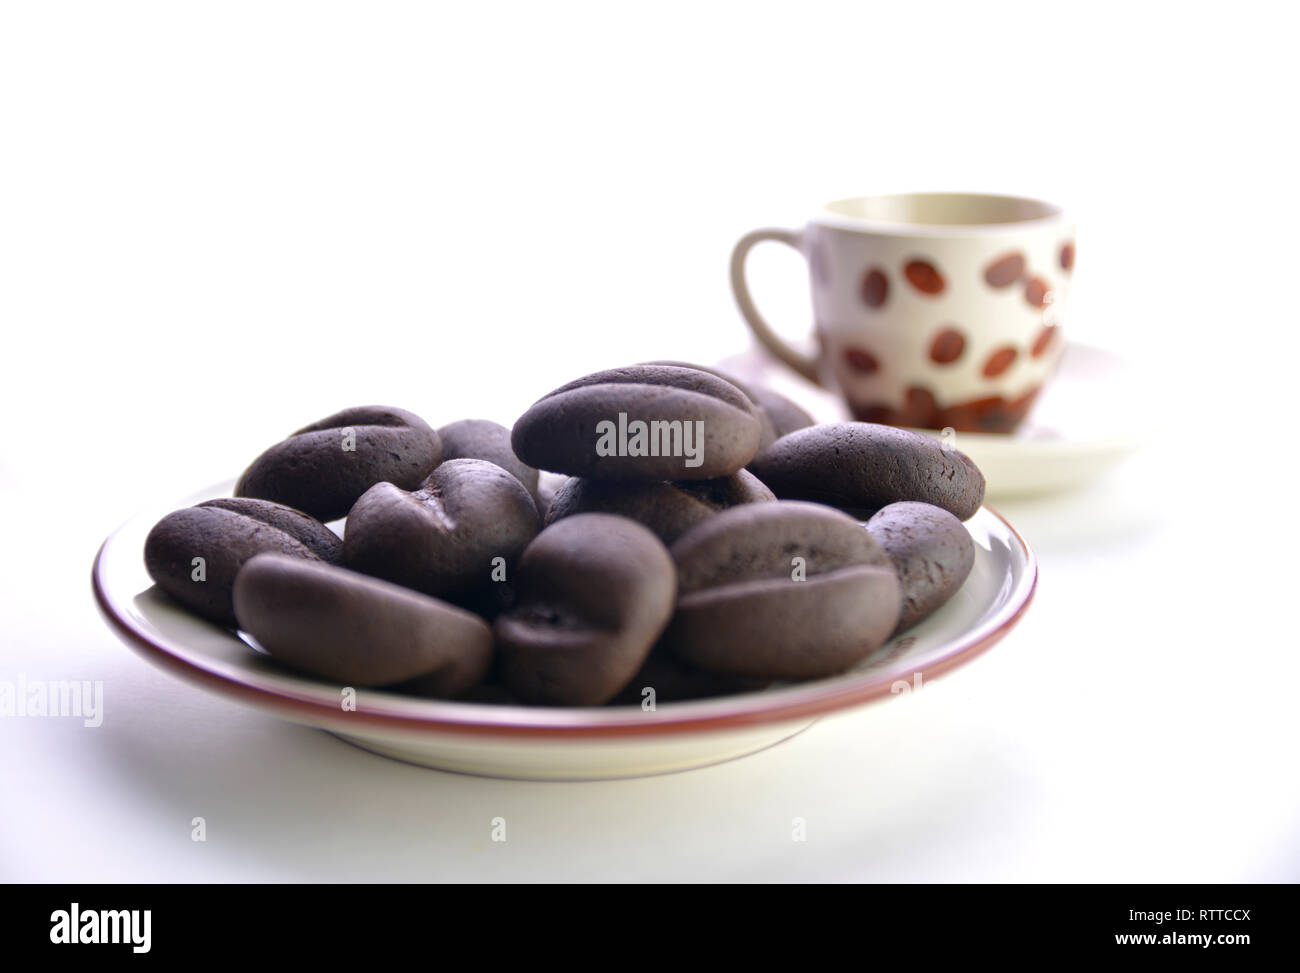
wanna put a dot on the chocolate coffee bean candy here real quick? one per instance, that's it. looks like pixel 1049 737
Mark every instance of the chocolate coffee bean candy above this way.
pixel 786 415
pixel 484 439
pixel 767 432
pixel 357 630
pixel 194 554
pixel 785 590
pixel 491 694
pixel 777 414
pixel 643 422
pixel 668 509
pixel 323 468
pixel 674 681
pixel 595 592
pixel 931 551
pixel 487 599
pixel 863 465
pixel 322 541
pixel 545 495
pixel 469 519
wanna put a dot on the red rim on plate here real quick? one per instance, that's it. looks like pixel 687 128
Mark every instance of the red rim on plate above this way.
pixel 416 715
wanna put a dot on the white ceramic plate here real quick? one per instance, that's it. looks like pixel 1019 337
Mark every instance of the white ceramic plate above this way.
pixel 1084 422
pixel 550 743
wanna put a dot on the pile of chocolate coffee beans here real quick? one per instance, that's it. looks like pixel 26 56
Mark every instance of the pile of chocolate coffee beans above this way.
pixel 697 545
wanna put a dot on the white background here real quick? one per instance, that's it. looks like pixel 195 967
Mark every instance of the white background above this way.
pixel 221 221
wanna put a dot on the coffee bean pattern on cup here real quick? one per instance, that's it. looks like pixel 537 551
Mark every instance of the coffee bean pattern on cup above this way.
pixel 595 592
pixel 891 274
pixel 357 630
pixel 668 509
pixel 861 465
pixel 194 554
pixel 644 422
pixel 444 538
pixel 484 439
pixel 932 554
pixel 669 563
pixel 323 468
pixel 785 590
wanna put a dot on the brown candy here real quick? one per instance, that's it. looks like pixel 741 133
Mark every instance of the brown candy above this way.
pixel 668 509
pixel 672 680
pixel 643 422
pixel 785 414
pixel 784 590
pixel 357 630
pixel 195 553
pixel 595 592
pixel 868 466
pixel 932 554
pixel 323 468
pixel 487 440
pixel 442 538
pixel 778 414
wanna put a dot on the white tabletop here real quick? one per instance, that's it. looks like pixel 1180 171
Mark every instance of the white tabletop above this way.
pixel 214 234
pixel 1102 740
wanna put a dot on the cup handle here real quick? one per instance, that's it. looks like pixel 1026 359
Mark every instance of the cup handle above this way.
pixel 801 363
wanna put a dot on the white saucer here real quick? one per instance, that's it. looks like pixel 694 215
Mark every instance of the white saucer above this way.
pixel 1081 426
pixel 549 743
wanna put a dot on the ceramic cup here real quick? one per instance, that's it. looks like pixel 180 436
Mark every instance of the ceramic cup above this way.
pixel 931 309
